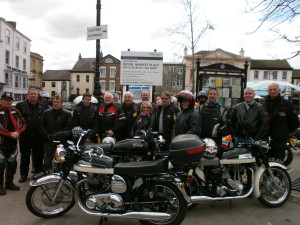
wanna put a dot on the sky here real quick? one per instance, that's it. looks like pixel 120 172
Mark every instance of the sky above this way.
pixel 57 29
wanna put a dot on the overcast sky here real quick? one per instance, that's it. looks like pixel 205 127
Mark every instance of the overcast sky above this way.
pixel 57 29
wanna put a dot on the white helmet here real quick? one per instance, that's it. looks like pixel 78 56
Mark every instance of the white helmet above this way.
pixel 44 94
pixel 211 148
pixel 109 140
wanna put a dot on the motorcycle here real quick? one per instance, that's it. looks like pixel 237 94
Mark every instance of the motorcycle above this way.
pixel 101 187
pixel 238 173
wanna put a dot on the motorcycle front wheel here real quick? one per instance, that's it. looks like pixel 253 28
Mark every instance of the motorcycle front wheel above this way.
pixel 288 158
pixel 167 199
pixel 39 199
pixel 275 194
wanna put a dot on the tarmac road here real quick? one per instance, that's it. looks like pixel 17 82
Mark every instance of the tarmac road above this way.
pixel 13 210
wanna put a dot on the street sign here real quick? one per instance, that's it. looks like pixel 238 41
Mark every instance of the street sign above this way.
pixel 98 32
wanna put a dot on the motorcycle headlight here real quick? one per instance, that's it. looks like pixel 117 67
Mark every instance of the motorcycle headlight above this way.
pixel 60 154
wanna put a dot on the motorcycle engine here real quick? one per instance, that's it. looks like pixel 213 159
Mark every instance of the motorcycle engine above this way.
pixel 105 202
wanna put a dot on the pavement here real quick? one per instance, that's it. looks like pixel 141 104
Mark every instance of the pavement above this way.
pixel 294 171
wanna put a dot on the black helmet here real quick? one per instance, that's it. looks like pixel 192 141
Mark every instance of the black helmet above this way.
pixel 202 93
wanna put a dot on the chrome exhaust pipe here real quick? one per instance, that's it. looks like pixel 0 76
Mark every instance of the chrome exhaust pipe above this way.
pixel 197 199
pixel 129 215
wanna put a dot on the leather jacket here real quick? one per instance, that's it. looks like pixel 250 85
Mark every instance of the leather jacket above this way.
pixel 143 122
pixel 188 122
pixel 250 123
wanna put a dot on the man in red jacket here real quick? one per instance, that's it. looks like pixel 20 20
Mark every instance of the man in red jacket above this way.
pixel 12 124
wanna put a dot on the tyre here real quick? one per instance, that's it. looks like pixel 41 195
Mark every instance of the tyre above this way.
pixel 271 194
pixel 39 203
pixel 288 157
pixel 167 199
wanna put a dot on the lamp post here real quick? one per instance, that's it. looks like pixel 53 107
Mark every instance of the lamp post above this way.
pixel 198 75
pixel 97 87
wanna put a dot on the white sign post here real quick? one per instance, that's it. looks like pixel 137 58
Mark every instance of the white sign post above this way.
pixel 98 32
pixel 141 68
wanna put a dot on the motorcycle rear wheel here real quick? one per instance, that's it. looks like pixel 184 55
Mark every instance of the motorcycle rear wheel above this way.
pixel 38 200
pixel 272 195
pixel 174 203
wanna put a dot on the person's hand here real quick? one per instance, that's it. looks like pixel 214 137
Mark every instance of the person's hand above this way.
pixel 110 132
pixel 15 135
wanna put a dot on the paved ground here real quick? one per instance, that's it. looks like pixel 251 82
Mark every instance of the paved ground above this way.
pixel 13 210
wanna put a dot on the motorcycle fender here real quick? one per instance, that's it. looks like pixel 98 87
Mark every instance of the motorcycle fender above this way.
pixel 48 179
pixel 258 174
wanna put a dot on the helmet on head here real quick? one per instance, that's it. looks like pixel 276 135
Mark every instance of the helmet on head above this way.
pixel 186 96
pixel 202 93
pixel 44 94
pixel 211 148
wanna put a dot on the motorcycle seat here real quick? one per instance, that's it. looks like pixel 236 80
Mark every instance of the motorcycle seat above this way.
pixel 142 168
pixel 234 153
pixel 210 162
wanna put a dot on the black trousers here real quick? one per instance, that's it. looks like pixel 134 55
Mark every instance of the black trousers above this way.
pixel 31 144
pixel 277 150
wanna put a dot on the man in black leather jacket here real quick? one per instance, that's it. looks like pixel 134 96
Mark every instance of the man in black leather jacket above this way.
pixel 188 120
pixel 31 141
pixel 166 117
pixel 249 118
pixel 56 124
pixel 85 116
pixel 283 121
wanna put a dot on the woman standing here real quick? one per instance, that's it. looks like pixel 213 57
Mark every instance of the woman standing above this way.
pixel 145 120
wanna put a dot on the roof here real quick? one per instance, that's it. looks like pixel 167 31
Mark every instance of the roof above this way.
pixel 296 74
pixel 58 75
pixel 270 64
pixel 203 53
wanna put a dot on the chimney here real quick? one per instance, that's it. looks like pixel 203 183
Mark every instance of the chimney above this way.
pixel 79 57
pixel 242 52
pixel 185 51
pixel 12 23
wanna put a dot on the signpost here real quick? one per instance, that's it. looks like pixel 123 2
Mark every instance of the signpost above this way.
pixel 97 32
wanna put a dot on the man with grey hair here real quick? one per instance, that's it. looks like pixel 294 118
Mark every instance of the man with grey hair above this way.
pixel 145 96
pixel 111 118
pixel 283 120
pixel 131 111
pixel 249 118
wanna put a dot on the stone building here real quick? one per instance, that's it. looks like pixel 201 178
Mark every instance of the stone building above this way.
pixel 36 68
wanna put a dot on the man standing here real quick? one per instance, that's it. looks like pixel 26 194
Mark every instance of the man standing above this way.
pixel 112 120
pixel 85 116
pixel 56 123
pixel 145 96
pixel 31 141
pixel 166 118
pixel 12 124
pixel 283 121
pixel 201 100
pixel 213 116
pixel 249 118
pixel 131 111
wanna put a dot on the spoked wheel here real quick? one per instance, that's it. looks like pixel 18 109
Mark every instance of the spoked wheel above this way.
pixel 288 157
pixel 167 199
pixel 274 195
pixel 39 199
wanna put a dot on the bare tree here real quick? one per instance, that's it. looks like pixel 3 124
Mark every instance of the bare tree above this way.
pixel 190 31
pixel 278 12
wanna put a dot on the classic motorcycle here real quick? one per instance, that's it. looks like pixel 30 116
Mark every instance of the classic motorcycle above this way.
pixel 237 173
pixel 101 187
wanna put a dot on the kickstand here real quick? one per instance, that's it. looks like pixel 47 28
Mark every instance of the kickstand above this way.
pixel 102 220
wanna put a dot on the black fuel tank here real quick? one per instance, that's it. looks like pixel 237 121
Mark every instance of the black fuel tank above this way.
pixel 130 146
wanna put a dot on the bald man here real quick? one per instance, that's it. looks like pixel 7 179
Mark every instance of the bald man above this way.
pixel 283 121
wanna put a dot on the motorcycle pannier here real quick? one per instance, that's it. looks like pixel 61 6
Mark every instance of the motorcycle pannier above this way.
pixel 186 148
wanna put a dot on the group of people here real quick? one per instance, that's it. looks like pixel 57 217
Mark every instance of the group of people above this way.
pixel 36 125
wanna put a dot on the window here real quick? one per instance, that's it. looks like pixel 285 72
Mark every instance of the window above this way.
pixel 24 82
pixel 109 60
pixel 52 93
pixel 113 71
pixel 77 91
pixel 53 84
pixel 25 46
pixel 33 63
pixel 274 75
pixel 112 85
pixel 266 77
pixel 87 79
pixel 102 72
pixel 103 85
pixel 78 78
pixel 17 43
pixel 7 57
pixel 256 73
pixel 43 84
pixel 284 75
pixel 17 61
pixel 7 78
pixel 24 64
pixel 87 90
pixel 7 36
pixel 174 83
pixel 17 81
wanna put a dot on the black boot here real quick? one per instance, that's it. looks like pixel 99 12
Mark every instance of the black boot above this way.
pixel 2 190
pixel 11 170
